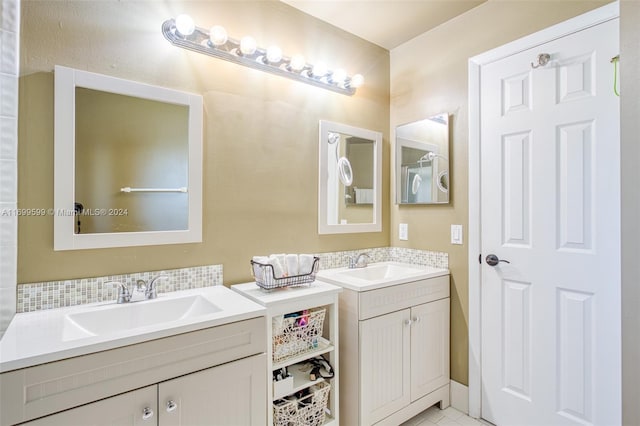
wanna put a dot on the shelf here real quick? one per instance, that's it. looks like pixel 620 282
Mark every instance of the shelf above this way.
pixel 282 301
pixel 329 421
pixel 300 380
pixel 324 346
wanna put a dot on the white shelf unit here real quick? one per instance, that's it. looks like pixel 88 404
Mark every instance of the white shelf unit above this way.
pixel 294 299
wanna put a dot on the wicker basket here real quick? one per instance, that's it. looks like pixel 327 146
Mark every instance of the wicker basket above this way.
pixel 307 411
pixel 265 277
pixel 297 334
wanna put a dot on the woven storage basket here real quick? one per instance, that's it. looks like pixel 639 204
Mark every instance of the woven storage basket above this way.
pixel 297 334
pixel 307 411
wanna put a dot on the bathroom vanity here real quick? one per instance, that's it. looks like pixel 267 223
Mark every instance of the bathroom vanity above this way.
pixel 394 341
pixel 206 368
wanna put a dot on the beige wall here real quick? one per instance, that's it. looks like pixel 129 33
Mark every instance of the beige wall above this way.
pixel 260 131
pixel 429 76
pixel 630 154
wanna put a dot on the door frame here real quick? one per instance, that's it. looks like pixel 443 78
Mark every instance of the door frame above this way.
pixel 581 22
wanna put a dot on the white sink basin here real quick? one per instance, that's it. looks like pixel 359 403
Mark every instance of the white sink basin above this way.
pixel 380 271
pixel 127 316
pixel 378 275
pixel 34 338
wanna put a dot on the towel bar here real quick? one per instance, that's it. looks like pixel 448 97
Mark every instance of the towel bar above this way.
pixel 129 189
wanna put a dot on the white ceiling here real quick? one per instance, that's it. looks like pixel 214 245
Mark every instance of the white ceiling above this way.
pixel 387 23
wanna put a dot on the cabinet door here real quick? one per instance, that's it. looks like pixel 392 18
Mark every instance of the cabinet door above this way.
pixel 429 347
pixel 228 395
pixel 135 408
pixel 384 368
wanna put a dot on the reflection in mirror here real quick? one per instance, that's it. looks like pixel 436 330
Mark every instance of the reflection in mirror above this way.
pixel 123 142
pixel 128 163
pixel 422 161
pixel 350 181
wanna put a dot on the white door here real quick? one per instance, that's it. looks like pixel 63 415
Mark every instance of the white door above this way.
pixel 550 205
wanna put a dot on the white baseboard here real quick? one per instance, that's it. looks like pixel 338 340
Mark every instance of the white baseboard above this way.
pixel 459 397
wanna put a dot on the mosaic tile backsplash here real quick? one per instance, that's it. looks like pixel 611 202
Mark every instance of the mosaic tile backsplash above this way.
pixel 339 259
pixel 58 294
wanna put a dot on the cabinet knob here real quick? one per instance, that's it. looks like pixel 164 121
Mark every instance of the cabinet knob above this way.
pixel 171 405
pixel 407 322
pixel 416 319
pixel 147 413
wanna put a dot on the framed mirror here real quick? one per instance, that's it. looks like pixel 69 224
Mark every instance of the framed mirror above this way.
pixel 422 161
pixel 350 179
pixel 128 163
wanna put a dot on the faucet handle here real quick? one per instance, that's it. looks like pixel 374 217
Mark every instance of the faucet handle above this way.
pixel 151 291
pixel 124 295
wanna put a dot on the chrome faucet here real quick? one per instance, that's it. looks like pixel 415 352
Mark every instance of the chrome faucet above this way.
pixel 124 296
pixel 358 260
pixel 143 290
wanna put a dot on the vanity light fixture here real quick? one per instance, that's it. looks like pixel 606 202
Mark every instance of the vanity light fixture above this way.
pixel 183 32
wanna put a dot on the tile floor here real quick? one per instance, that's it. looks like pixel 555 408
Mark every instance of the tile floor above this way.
pixel 437 417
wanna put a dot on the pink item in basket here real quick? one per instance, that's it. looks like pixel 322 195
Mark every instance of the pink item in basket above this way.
pixel 304 319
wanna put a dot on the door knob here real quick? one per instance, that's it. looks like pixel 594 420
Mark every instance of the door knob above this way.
pixel 147 413
pixel 171 406
pixel 493 260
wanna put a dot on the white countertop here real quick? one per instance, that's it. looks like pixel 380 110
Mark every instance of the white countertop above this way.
pixel 35 338
pixel 381 274
pixel 286 294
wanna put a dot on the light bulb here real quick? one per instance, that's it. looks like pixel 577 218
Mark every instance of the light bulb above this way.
pixel 218 35
pixel 274 54
pixel 185 25
pixel 339 76
pixel 356 81
pixel 297 62
pixel 319 69
pixel 248 45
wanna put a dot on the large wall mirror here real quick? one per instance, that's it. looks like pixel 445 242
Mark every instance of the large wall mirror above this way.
pixel 350 185
pixel 422 161
pixel 128 163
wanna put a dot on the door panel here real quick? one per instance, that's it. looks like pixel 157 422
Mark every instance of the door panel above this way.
pixel 550 205
pixel 233 394
pixel 429 347
pixel 385 362
pixel 122 410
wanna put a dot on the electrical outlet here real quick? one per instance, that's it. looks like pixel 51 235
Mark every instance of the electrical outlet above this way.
pixel 403 231
pixel 456 234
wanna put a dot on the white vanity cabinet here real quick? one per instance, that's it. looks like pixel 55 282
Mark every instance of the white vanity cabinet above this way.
pixel 394 351
pixel 231 394
pixel 213 376
pixel 284 301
